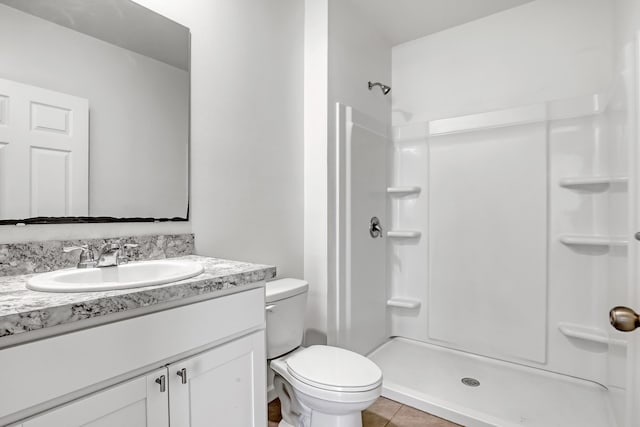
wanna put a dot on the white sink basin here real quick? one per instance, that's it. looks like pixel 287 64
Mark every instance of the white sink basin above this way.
pixel 126 276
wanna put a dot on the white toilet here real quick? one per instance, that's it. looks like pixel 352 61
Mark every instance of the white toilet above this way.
pixel 318 386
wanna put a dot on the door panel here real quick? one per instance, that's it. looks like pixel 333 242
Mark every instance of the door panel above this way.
pixel 633 294
pixel 44 152
pixel 136 403
pixel 225 386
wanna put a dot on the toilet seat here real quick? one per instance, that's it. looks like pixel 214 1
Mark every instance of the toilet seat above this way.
pixel 334 369
pixel 322 391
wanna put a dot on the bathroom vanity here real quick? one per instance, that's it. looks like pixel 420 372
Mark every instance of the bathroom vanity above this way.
pixel 180 354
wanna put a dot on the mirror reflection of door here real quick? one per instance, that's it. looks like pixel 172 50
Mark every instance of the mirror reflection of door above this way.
pixel 132 64
pixel 44 152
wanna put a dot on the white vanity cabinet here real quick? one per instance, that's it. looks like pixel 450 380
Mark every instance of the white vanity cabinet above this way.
pixel 220 387
pixel 211 354
pixel 136 403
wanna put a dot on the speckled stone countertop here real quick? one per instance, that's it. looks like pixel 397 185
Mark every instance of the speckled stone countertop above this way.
pixel 23 310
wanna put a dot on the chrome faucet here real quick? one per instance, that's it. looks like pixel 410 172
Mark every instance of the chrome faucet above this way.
pixel 113 254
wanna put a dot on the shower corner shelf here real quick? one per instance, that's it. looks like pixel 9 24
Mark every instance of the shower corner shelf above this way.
pixel 585 333
pixel 575 240
pixel 591 182
pixel 409 303
pixel 403 191
pixel 404 234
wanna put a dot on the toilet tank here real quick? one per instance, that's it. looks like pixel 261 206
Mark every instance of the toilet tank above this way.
pixel 286 301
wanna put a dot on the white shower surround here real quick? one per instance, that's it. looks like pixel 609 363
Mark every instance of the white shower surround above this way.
pixel 582 274
pixel 550 65
pixel 574 139
pixel 577 142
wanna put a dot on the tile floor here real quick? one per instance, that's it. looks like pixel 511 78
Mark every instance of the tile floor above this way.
pixel 383 413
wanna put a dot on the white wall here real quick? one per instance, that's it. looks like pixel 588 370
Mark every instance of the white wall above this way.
pixel 627 22
pixel 358 53
pixel 344 52
pixel 538 52
pixel 138 168
pixel 246 135
pixel 546 49
pixel 316 131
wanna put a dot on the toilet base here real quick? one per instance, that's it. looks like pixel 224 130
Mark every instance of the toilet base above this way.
pixel 317 419
pixel 347 420
pixel 296 414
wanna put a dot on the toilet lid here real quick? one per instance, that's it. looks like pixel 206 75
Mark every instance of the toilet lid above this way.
pixel 333 368
pixel 284 288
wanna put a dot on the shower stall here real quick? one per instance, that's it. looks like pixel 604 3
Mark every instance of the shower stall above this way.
pixel 508 235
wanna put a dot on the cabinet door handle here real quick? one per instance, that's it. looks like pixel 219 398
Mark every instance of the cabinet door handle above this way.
pixel 163 383
pixel 182 373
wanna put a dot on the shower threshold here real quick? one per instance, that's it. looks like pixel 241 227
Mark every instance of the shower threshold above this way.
pixel 493 393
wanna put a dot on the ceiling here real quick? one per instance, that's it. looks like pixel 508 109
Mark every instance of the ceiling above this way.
pixel 405 20
pixel 119 22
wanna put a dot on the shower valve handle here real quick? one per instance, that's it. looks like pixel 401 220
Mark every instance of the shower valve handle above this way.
pixel 375 229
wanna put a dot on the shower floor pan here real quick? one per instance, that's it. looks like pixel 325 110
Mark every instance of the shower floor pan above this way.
pixel 429 378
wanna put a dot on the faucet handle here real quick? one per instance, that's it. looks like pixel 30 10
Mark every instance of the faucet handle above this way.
pixel 124 254
pixel 85 251
pixel 86 255
pixel 68 249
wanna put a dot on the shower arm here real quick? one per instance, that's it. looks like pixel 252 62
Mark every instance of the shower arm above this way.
pixel 384 88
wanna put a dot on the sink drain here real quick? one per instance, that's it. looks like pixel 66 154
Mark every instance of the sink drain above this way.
pixel 471 382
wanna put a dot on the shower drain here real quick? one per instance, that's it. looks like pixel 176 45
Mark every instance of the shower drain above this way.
pixel 471 382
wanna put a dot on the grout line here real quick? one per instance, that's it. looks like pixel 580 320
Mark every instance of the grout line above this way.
pixel 395 413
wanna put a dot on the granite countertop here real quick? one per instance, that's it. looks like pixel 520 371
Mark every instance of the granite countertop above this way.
pixel 23 310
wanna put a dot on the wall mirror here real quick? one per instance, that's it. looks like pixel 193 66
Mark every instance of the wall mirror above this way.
pixel 94 112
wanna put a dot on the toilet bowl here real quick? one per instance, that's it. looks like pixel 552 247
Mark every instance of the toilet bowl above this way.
pixel 318 386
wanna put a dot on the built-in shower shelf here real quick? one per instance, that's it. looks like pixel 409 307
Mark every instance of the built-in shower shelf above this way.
pixel 403 191
pixel 408 303
pixel 575 240
pixel 592 182
pixel 586 333
pixel 404 234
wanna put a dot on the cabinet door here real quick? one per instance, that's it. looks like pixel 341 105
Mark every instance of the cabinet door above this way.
pixel 225 386
pixel 136 403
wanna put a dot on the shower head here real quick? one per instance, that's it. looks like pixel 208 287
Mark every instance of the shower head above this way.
pixel 384 88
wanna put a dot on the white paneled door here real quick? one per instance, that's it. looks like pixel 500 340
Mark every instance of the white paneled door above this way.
pixel 44 152
pixel 631 298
